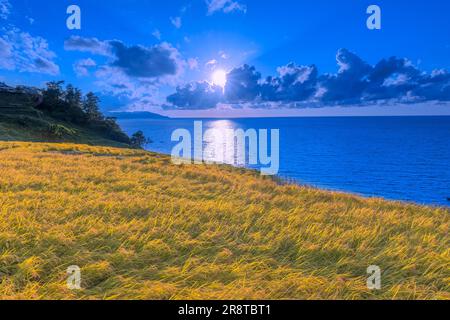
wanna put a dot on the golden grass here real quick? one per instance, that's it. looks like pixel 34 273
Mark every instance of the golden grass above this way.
pixel 142 228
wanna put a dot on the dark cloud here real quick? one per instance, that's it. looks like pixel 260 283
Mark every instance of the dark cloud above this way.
pixel 132 75
pixel 242 84
pixel 386 68
pixel 356 82
pixel 348 85
pixel 92 45
pixel 435 87
pixel 295 83
pixel 392 78
pixel 43 64
pixel 135 61
pixel 139 61
pixel 196 95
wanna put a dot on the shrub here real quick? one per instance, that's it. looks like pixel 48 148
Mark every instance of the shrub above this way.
pixel 60 131
pixel 138 140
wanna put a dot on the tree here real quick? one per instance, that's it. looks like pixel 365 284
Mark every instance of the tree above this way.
pixel 73 106
pixel 91 107
pixel 53 95
pixel 138 140
pixel 70 106
pixel 73 97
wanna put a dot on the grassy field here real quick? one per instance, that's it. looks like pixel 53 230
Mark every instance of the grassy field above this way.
pixel 142 228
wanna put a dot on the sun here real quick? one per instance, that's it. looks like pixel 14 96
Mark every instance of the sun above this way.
pixel 219 78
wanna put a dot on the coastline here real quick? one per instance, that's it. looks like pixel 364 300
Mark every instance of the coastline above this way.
pixel 396 158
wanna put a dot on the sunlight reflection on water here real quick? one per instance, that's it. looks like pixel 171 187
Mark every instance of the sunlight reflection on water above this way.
pixel 404 158
pixel 223 144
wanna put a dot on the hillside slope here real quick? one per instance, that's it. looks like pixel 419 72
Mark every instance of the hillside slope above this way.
pixel 48 129
pixel 140 227
pixel 21 120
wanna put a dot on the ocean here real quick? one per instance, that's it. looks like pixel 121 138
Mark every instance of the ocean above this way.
pixel 398 158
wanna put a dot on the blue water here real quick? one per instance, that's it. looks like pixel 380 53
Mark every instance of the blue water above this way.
pixel 400 158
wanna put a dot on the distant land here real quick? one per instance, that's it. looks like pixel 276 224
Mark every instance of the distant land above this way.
pixel 136 115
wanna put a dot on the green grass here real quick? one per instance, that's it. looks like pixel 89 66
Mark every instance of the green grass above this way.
pixel 44 129
pixel 142 228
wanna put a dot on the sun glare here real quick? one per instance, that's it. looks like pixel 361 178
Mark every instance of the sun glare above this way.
pixel 219 78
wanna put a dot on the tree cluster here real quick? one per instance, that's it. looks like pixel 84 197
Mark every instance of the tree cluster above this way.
pixel 72 106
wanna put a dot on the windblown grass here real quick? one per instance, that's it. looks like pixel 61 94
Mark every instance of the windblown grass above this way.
pixel 142 228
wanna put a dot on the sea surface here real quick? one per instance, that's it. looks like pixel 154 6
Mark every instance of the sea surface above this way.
pixel 399 158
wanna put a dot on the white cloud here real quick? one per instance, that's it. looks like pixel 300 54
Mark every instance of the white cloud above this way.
pixel 157 34
pixel 26 53
pixel 223 55
pixel 22 52
pixel 211 63
pixel 176 22
pixel 225 6
pixel 6 61
pixel 5 9
pixel 193 63
pixel 184 9
pixel 137 95
pixel 133 74
pixel 81 67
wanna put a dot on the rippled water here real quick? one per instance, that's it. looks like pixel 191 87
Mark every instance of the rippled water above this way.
pixel 402 158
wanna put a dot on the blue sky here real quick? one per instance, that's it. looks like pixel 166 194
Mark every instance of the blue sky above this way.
pixel 136 53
